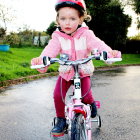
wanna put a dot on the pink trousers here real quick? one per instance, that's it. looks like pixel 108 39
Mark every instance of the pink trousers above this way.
pixel 59 104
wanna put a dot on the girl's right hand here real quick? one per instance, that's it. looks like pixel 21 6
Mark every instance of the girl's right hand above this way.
pixel 37 61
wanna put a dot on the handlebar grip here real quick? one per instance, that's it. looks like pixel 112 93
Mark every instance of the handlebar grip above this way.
pixel 46 60
pixel 104 55
pixel 113 59
pixel 37 66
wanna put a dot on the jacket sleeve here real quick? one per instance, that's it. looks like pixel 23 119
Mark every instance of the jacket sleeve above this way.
pixel 94 42
pixel 51 50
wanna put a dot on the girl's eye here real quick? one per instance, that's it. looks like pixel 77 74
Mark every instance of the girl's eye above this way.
pixel 73 19
pixel 62 18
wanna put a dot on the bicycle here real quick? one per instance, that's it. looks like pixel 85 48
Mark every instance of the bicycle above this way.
pixel 77 113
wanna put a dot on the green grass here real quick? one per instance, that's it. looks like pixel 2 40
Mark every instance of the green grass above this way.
pixel 127 59
pixel 16 63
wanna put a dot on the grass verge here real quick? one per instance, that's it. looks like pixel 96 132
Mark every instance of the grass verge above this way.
pixel 15 64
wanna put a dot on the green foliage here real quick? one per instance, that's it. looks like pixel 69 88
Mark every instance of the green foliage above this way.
pixel 24 37
pixel 51 28
pixel 109 22
pixel 12 39
pixel 2 32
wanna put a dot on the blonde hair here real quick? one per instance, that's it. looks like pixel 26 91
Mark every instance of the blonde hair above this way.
pixel 87 17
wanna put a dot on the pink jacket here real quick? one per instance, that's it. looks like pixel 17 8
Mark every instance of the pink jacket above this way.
pixel 77 46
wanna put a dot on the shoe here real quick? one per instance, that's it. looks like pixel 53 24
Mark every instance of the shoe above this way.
pixel 93 110
pixel 59 127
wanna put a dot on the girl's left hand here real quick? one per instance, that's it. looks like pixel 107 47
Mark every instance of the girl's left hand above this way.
pixel 115 53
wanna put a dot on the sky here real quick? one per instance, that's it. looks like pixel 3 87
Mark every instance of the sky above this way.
pixel 38 14
pixel 133 29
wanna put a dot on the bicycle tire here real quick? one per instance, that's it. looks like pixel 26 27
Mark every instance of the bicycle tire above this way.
pixel 78 128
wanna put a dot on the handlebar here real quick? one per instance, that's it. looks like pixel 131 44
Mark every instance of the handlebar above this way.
pixel 62 61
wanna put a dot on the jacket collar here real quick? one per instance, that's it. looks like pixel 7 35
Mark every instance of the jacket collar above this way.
pixel 76 34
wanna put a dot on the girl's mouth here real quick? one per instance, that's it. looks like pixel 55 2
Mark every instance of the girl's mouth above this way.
pixel 68 29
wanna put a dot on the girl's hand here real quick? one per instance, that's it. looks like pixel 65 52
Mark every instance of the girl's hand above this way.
pixel 36 61
pixel 115 54
pixel 39 61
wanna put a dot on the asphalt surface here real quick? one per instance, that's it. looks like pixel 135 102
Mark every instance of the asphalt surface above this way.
pixel 27 110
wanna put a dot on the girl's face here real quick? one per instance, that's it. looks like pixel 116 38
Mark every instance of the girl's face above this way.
pixel 68 19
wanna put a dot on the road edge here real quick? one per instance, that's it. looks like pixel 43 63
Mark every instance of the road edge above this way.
pixel 8 83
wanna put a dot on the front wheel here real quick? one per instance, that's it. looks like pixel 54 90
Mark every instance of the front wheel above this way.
pixel 78 128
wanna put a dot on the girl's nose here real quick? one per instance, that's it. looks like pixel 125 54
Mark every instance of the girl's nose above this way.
pixel 67 22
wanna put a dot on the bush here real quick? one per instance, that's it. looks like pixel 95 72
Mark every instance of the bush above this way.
pixel 132 46
pixel 12 39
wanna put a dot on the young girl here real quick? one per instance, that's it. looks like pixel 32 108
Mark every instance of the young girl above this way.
pixel 76 40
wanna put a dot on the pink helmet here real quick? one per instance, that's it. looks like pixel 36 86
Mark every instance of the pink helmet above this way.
pixel 78 4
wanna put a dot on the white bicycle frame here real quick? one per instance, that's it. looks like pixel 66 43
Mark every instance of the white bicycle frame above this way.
pixel 76 106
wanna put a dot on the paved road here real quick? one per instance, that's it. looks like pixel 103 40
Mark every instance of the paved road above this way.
pixel 26 110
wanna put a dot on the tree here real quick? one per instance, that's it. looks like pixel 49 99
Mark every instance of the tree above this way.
pixel 2 32
pixel 137 10
pixel 137 6
pixel 6 15
pixel 51 28
pixel 109 22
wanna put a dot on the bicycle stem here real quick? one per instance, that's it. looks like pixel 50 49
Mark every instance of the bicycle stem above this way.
pixel 75 66
pixel 77 83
